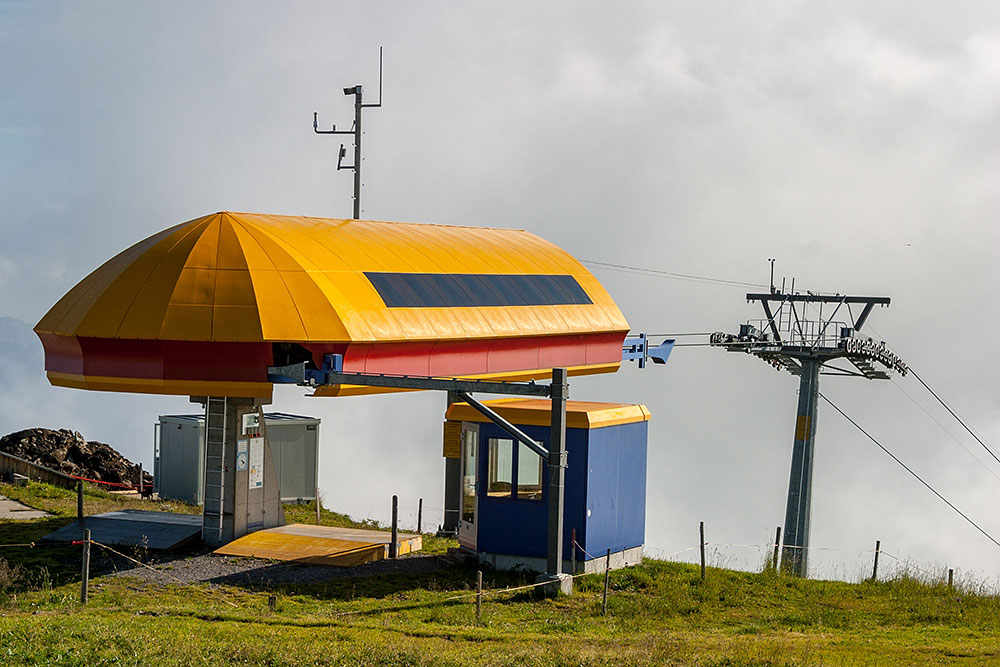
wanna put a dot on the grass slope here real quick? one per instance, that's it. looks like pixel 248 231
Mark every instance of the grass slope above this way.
pixel 659 614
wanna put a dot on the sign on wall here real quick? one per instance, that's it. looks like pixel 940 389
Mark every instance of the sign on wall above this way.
pixel 242 453
pixel 452 440
pixel 256 477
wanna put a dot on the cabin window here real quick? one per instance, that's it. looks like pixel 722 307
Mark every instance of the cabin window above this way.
pixel 500 467
pixel 529 473
pixel 470 442
pixel 513 472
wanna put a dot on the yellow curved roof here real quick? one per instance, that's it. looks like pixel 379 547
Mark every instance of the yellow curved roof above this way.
pixel 247 277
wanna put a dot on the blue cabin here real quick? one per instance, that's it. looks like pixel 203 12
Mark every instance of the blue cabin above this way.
pixel 504 490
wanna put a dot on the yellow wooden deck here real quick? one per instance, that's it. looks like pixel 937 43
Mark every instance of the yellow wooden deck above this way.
pixel 319 545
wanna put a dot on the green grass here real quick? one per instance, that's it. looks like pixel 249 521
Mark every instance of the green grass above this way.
pixel 62 502
pixel 659 613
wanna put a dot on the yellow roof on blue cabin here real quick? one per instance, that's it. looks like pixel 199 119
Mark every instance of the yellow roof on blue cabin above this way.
pixel 254 277
pixel 538 412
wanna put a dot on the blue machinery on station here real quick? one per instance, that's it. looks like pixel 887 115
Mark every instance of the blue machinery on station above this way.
pixel 636 348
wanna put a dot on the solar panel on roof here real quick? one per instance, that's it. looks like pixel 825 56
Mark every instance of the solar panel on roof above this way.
pixel 469 290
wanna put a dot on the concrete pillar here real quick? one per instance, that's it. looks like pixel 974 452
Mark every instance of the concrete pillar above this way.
pixel 250 495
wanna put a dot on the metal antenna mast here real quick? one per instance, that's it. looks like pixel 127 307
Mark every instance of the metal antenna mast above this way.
pixel 787 340
pixel 356 131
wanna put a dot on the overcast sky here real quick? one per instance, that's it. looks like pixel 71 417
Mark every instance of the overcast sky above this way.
pixel 855 142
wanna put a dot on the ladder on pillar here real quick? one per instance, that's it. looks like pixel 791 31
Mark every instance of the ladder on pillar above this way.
pixel 215 468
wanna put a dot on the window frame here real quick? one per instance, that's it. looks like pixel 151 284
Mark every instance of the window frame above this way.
pixel 514 492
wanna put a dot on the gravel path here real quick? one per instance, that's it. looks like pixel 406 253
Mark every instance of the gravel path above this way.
pixel 245 571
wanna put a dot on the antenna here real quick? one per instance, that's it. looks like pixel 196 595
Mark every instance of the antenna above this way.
pixel 356 131
pixel 788 339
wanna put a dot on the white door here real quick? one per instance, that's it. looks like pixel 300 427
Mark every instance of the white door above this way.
pixel 469 506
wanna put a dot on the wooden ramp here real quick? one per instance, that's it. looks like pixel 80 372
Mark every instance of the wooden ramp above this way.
pixel 320 545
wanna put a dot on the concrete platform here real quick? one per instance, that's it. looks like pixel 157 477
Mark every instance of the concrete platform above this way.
pixel 619 560
pixel 11 509
pixel 159 531
pixel 320 545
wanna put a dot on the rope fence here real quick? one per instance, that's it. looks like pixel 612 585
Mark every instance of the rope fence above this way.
pixel 133 487
pixel 770 551
pixel 481 594
pixel 774 550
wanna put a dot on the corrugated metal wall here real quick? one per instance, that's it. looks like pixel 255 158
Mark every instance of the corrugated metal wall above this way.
pixel 179 456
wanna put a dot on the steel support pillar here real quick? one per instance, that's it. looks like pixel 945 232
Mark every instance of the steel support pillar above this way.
pixel 557 484
pixel 452 486
pixel 794 556
pixel 357 151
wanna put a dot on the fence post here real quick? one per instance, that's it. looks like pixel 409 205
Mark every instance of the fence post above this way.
pixel 607 574
pixel 393 546
pixel 951 578
pixel 777 545
pixel 572 546
pixel 878 547
pixel 317 506
pixel 701 530
pixel 479 596
pixel 141 487
pixel 79 501
pixel 420 515
pixel 85 567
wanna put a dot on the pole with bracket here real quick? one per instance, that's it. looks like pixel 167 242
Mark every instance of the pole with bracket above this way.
pixel 356 131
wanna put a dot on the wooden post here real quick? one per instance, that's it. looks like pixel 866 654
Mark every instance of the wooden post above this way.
pixel 79 501
pixel 479 596
pixel 141 488
pixel 777 548
pixel 393 546
pixel 607 575
pixel 85 567
pixel 572 546
pixel 701 530
pixel 420 515
pixel 878 547
pixel 317 506
pixel 951 578
pixel 272 602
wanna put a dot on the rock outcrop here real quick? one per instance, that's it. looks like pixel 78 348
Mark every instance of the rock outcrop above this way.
pixel 69 453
